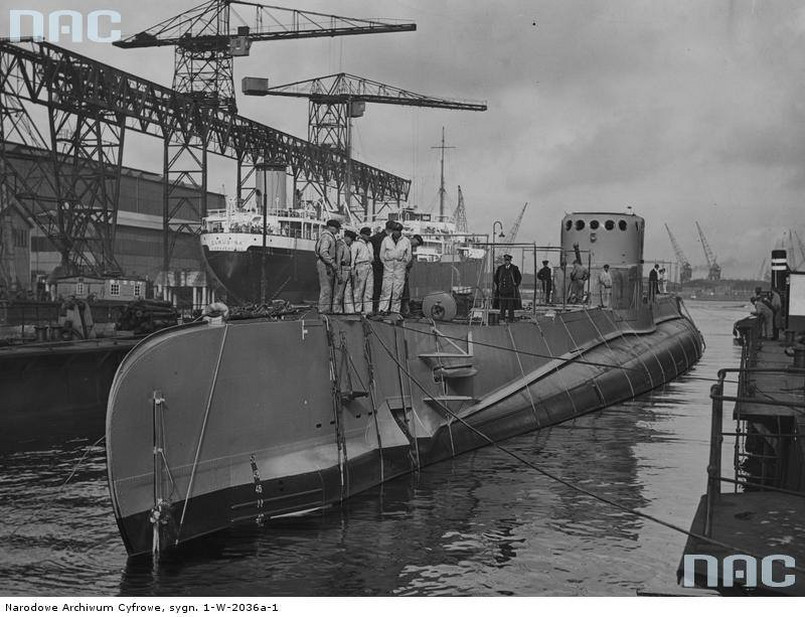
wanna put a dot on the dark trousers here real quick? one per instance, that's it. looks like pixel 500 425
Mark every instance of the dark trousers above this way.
pixel 507 306
pixel 547 288
pixel 377 269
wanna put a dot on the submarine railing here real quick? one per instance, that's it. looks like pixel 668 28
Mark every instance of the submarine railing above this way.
pixel 717 433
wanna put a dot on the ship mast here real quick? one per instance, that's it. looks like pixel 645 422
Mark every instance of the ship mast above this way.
pixel 442 191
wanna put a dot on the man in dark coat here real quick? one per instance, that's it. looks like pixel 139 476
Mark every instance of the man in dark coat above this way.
pixel 653 283
pixel 545 275
pixel 507 287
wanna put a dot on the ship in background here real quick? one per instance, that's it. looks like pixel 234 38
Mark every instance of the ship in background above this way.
pixel 261 252
pixel 284 416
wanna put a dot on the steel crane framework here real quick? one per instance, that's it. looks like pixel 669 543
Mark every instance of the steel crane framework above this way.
pixel 685 269
pixel 205 44
pixel 68 182
pixel 335 99
pixel 714 270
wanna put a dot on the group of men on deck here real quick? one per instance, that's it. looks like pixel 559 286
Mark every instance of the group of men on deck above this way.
pixel 364 273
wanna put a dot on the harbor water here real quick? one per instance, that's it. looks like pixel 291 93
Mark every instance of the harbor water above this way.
pixel 480 524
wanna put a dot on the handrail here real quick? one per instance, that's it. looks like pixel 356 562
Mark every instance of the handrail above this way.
pixel 717 434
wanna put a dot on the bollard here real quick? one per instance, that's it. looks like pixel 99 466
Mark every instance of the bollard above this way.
pixel 41 333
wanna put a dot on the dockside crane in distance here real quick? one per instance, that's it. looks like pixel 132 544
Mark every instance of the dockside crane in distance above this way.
pixel 685 269
pixel 516 225
pixel 713 269
pixel 334 100
pixel 206 44
pixel 460 214
pixel 801 247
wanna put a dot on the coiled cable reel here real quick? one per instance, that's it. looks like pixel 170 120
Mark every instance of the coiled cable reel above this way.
pixel 439 307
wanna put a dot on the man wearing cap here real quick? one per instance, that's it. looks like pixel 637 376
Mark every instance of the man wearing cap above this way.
pixel 654 283
pixel 342 294
pixel 764 311
pixel 395 252
pixel 416 242
pixel 377 264
pixel 326 265
pixel 605 287
pixel 507 287
pixel 362 275
pixel 545 275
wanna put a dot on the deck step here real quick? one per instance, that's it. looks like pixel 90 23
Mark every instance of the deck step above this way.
pixel 449 398
pixel 455 372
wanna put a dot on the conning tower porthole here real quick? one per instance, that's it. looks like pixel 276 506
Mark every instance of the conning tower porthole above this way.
pixel 610 225
pixel 622 225
pixel 579 225
pixel 568 224
pixel 594 225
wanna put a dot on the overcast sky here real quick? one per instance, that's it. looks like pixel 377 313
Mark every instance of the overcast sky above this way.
pixel 683 109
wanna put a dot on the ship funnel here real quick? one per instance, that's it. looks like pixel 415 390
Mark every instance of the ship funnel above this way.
pixel 271 184
pixel 779 268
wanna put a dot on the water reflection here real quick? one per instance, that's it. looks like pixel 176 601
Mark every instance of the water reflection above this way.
pixel 482 524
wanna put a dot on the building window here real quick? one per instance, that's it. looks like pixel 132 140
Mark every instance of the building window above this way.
pixel 20 238
pixel 138 290
pixel 114 289
pixel 79 289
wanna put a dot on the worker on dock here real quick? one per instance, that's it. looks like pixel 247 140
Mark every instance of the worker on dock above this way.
pixel 342 295
pixel 605 287
pixel 507 281
pixel 362 274
pixel 325 264
pixel 764 312
pixel 777 307
pixel 545 276
pixel 395 252
pixel 663 281
pixel 416 242
pixel 377 264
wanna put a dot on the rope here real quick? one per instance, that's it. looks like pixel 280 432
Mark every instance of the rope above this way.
pixel 203 430
pixel 70 476
pixel 568 484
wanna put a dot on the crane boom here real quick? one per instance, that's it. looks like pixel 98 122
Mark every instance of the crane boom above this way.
pixel 714 270
pixel 205 42
pixel 460 214
pixel 201 26
pixel 516 225
pixel 345 88
pixel 685 269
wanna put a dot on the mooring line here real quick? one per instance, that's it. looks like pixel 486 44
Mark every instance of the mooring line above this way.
pixel 70 476
pixel 571 485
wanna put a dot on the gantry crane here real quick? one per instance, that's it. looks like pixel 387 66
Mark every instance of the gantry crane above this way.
pixel 334 100
pixel 685 269
pixel 713 269
pixel 206 44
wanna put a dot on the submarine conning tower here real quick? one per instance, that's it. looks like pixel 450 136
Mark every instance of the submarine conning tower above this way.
pixel 612 238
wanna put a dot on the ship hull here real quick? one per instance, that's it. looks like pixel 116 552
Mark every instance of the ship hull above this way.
pixel 290 274
pixel 246 433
